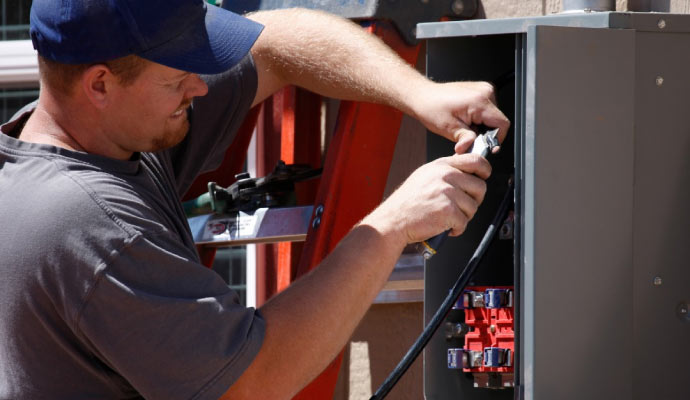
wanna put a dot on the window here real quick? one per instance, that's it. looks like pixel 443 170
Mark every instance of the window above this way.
pixel 14 19
pixel 18 76
pixel 231 264
pixel 11 100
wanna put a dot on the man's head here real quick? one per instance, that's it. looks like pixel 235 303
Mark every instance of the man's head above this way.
pixel 124 105
pixel 133 64
pixel 62 78
pixel 187 35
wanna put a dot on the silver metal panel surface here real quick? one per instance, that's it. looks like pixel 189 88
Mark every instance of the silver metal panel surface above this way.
pixel 264 225
pixel 616 20
pixel 577 221
pixel 589 5
pixel 662 217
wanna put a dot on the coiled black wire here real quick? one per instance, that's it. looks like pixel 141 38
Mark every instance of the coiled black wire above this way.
pixel 452 297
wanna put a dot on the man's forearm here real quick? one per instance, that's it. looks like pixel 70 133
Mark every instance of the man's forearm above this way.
pixel 309 322
pixel 334 57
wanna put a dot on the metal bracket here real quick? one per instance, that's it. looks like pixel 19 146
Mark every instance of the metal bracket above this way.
pixel 276 189
pixel 405 15
pixel 472 299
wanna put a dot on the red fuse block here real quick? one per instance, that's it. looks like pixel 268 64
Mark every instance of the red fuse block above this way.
pixel 490 344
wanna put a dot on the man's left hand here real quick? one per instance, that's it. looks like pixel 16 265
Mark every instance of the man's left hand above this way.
pixel 450 109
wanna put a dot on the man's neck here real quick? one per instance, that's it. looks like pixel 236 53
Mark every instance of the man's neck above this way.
pixel 43 128
pixel 66 127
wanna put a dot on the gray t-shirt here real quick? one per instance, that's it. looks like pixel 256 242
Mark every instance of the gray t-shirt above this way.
pixel 102 295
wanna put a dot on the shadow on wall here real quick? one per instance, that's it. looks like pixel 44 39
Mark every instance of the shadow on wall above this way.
pixel 651 5
pixel 382 338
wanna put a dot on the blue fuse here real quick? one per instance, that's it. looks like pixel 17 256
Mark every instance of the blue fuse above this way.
pixel 455 358
pixel 498 298
pixel 496 357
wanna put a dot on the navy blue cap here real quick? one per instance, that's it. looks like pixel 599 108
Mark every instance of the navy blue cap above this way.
pixel 184 34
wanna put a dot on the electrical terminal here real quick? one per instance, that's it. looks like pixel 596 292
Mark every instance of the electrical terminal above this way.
pixel 472 299
pixel 488 330
pixel 456 330
pixel 496 357
pixel 461 358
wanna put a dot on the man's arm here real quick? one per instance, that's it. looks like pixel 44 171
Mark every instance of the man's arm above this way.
pixel 334 57
pixel 309 323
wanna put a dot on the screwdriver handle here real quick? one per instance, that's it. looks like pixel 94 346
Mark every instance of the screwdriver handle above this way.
pixel 430 246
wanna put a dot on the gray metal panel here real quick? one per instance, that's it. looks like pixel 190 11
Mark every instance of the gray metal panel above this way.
pixel 578 208
pixel 616 20
pixel 482 58
pixel 662 217
pixel 519 206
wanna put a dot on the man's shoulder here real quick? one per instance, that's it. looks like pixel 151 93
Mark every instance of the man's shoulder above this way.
pixel 126 201
pixel 62 197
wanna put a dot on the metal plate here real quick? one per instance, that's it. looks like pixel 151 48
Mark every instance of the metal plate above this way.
pixel 661 334
pixel 265 225
pixel 577 233
pixel 616 20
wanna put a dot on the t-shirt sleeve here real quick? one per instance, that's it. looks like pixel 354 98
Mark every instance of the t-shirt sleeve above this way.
pixel 170 327
pixel 214 122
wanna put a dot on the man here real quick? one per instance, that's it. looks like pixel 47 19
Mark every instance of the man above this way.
pixel 102 293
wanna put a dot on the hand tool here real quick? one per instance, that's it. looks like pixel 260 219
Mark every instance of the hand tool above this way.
pixel 483 144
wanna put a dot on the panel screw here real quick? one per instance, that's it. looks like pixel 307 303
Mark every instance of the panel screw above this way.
pixel 317 216
pixel 458 7
pixel 493 328
pixel 682 312
pixel 661 24
pixel 658 281
pixel 659 80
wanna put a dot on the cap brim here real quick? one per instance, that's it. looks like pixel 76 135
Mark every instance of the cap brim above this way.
pixel 209 48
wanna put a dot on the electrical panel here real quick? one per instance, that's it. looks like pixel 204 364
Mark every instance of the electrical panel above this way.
pixel 588 279
pixel 488 335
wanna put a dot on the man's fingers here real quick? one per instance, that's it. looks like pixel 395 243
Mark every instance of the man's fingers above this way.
pixel 471 164
pixel 494 118
pixel 474 186
pixel 466 206
pixel 464 138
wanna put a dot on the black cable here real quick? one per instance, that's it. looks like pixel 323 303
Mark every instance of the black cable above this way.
pixel 447 304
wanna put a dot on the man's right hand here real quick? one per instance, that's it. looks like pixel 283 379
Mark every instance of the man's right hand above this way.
pixel 443 194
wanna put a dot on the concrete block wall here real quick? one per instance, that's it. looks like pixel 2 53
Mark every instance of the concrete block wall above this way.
pixel 388 330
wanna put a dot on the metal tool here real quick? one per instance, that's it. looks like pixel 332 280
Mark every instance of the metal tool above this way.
pixel 276 189
pixel 483 144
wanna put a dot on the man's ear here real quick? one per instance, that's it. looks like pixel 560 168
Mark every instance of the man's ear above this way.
pixel 98 83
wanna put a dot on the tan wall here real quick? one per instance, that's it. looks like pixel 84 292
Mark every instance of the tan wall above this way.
pixel 385 334
pixel 388 330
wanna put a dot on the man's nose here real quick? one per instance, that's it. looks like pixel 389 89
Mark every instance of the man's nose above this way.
pixel 196 87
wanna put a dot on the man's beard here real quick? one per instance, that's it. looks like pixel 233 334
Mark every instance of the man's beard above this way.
pixel 170 138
